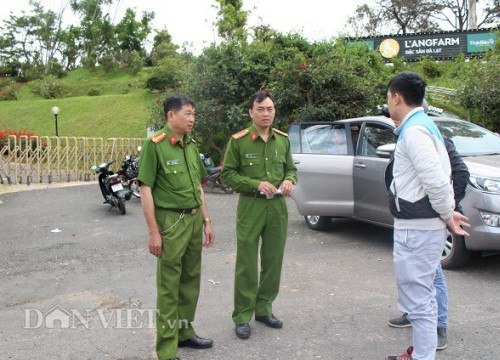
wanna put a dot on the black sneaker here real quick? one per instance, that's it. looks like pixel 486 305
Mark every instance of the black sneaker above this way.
pixel 400 322
pixel 442 339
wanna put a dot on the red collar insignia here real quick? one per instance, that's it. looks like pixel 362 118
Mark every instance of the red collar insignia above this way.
pixel 254 136
pixel 173 140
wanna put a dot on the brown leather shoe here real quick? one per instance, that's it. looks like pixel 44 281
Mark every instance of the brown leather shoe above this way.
pixel 270 320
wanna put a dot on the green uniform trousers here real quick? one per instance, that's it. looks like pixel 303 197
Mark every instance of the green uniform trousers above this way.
pixel 258 218
pixel 177 279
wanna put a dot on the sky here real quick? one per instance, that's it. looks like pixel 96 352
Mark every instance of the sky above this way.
pixel 191 21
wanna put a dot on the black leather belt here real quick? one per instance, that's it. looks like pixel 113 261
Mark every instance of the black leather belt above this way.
pixel 259 195
pixel 185 211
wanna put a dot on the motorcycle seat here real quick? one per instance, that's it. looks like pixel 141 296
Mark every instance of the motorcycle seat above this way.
pixel 214 170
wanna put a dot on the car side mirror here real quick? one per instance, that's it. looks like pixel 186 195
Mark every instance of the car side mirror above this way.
pixel 384 110
pixel 386 151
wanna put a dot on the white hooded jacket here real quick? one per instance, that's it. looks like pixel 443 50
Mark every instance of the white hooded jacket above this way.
pixel 421 169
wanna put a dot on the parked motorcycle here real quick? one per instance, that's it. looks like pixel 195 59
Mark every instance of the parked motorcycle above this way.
pixel 111 187
pixel 214 179
pixel 129 171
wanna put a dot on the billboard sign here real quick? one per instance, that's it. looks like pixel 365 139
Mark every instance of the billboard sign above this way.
pixel 442 45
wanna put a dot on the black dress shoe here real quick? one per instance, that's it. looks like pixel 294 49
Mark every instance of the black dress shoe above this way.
pixel 243 331
pixel 197 342
pixel 270 320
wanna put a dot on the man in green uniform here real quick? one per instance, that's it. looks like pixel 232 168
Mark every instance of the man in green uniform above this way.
pixel 258 164
pixel 170 173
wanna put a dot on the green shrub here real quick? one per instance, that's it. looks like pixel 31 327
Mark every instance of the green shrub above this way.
pixel 167 75
pixel 132 61
pixel 480 92
pixel 32 72
pixel 107 62
pixel 49 87
pixel 57 70
pixel 430 68
pixel 9 91
pixel 94 92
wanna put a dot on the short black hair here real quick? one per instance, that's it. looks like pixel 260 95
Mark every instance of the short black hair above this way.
pixel 176 102
pixel 259 97
pixel 410 86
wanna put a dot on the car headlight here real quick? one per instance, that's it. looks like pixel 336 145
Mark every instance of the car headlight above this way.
pixel 490 219
pixel 485 184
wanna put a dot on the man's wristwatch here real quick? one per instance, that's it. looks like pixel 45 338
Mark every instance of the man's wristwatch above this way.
pixel 207 220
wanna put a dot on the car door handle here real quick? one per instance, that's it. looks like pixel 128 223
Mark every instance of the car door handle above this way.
pixel 360 165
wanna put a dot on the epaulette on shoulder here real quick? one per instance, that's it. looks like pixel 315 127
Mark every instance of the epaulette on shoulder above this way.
pixel 280 132
pixel 240 134
pixel 158 137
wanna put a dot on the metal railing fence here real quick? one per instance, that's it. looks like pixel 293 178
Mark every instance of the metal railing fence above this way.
pixel 39 159
pixel 442 94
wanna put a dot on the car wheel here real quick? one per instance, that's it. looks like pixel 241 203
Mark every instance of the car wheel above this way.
pixel 455 254
pixel 317 222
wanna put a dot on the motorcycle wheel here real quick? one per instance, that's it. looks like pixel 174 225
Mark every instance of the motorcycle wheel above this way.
pixel 135 188
pixel 121 205
pixel 102 186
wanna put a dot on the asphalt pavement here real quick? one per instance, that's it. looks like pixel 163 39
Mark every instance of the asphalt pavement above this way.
pixel 77 282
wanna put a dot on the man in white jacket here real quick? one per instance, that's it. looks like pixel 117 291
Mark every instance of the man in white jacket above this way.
pixel 422 203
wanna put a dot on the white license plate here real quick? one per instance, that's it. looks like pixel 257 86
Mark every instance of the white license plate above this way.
pixel 117 187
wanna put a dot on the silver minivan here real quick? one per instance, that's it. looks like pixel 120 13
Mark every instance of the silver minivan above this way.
pixel 341 168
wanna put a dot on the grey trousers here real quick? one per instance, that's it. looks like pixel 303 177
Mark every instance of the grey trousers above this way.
pixel 417 254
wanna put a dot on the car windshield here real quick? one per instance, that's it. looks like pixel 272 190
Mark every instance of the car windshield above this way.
pixel 470 139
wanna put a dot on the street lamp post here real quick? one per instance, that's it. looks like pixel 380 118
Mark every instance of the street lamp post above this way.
pixel 55 112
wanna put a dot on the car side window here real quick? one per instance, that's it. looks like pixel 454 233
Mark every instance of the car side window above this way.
pixel 324 139
pixel 375 135
pixel 294 137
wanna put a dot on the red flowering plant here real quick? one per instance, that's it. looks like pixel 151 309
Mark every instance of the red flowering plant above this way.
pixel 4 139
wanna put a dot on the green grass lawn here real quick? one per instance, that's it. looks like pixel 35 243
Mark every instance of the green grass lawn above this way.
pixel 120 111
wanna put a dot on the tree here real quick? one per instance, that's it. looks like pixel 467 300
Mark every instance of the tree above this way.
pixel 455 13
pixel 459 13
pixel 336 81
pixel 168 65
pixel 33 39
pixel 317 81
pixel 364 22
pixel 480 89
pixel 71 47
pixel 231 20
pixel 491 14
pixel 406 16
pixel 400 16
pixel 131 33
pixel 96 30
pixel 163 47
pixel 221 80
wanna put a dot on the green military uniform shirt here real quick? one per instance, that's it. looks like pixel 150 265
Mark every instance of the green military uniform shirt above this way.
pixel 250 160
pixel 171 170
